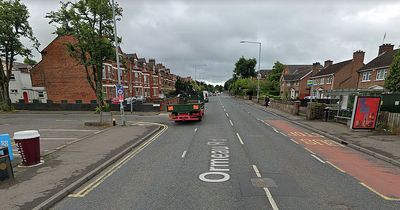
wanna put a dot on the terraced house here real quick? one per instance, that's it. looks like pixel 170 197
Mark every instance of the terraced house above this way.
pixel 372 76
pixel 342 75
pixel 64 79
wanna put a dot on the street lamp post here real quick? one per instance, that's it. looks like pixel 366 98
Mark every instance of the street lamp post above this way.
pixel 195 69
pixel 121 105
pixel 259 63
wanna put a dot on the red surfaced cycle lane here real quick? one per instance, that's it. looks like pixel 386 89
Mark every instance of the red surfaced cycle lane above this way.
pixel 378 176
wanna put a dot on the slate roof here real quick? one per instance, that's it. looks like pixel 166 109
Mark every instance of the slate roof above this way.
pixel 383 60
pixel 298 74
pixel 331 69
pixel 293 68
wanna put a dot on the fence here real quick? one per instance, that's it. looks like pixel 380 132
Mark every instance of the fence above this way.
pixel 82 107
pixel 390 121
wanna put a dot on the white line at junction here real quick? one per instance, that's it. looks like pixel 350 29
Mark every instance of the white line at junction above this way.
pixel 230 121
pixel 256 171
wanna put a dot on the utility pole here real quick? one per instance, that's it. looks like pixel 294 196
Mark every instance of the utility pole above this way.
pixel 259 64
pixel 121 105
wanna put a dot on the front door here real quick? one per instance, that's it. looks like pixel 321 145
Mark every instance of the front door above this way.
pixel 26 98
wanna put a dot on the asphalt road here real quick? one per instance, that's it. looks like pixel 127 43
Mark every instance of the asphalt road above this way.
pixel 240 157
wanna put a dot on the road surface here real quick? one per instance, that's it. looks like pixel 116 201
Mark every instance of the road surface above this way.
pixel 240 157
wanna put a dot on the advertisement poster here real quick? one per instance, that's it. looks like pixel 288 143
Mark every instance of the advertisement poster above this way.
pixel 365 112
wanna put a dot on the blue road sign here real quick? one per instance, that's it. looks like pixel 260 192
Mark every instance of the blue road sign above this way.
pixel 120 89
pixel 5 141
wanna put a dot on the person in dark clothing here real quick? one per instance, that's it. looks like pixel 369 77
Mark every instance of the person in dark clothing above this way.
pixel 266 100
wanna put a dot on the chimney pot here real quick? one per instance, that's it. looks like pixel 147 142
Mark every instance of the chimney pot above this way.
pixel 328 63
pixel 385 48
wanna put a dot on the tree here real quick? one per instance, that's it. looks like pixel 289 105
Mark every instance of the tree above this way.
pixel 30 61
pixel 276 72
pixel 90 22
pixel 14 26
pixel 275 76
pixel 392 83
pixel 245 68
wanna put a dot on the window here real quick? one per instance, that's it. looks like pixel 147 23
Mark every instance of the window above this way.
pixel 41 94
pixel 366 76
pixel 329 80
pixel 104 72
pixel 322 81
pixel 12 77
pixel 381 74
pixel 14 91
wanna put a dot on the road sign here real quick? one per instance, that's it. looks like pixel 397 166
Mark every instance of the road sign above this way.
pixel 120 89
pixel 5 141
pixel 121 98
pixel 310 83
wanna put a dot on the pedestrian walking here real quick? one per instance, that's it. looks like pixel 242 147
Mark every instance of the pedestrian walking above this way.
pixel 266 100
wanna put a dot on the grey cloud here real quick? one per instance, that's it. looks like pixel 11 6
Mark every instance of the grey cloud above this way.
pixel 184 33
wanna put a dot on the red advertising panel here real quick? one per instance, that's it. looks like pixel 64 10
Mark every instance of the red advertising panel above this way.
pixel 366 112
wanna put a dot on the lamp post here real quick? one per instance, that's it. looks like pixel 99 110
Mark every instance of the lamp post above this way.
pixel 195 69
pixel 121 105
pixel 259 63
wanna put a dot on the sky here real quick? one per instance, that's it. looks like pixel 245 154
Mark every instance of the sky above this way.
pixel 207 33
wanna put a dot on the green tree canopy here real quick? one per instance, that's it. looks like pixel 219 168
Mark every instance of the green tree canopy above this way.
pixel 245 68
pixel 30 61
pixel 14 26
pixel 276 72
pixel 392 83
pixel 90 22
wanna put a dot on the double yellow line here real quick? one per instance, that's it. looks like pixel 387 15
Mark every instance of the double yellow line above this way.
pixel 87 189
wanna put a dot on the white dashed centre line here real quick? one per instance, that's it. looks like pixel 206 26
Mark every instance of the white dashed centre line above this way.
pixel 227 114
pixel 257 171
pixel 230 121
pixel 184 154
pixel 195 130
pixel 240 139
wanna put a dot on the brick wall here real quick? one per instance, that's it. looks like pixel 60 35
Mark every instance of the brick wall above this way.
pixel 62 76
pixel 372 82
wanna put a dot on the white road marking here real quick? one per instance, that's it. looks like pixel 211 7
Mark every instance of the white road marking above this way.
pixel 294 141
pixel 257 171
pixel 318 158
pixel 282 133
pixel 184 154
pixel 259 119
pixel 67 130
pixel 230 121
pixel 266 123
pixel 275 130
pixel 240 139
pixel 271 199
pixel 195 130
pixel 309 151
pixel 227 114
pixel 339 169
pixel 66 120
pixel 58 138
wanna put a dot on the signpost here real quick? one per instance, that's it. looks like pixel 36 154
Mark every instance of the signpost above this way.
pixel 310 83
pixel 120 92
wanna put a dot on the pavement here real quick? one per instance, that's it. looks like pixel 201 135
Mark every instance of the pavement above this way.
pixel 374 142
pixel 69 149
pixel 241 157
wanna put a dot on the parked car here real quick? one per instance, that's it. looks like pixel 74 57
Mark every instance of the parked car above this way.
pixel 141 99
pixel 131 100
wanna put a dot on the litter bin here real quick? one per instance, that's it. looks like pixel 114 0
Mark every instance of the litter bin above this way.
pixel 28 144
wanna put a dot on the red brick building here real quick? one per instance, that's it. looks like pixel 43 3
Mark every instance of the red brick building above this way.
pixel 342 75
pixel 373 74
pixel 65 79
pixel 294 80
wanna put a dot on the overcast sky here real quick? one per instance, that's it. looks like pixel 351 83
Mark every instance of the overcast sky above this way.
pixel 181 34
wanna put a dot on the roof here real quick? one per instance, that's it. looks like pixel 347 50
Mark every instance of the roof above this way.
pixel 298 74
pixel 331 69
pixel 293 68
pixel 265 72
pixel 383 60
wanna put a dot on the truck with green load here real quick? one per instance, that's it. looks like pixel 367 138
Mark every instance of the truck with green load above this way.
pixel 190 107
